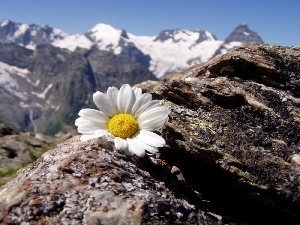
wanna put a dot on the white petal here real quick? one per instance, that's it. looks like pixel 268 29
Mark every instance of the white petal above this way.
pixel 148 148
pixel 104 104
pixel 81 121
pixel 126 99
pixel 150 138
pixel 152 124
pixel 88 137
pixel 112 94
pixel 137 91
pixel 135 148
pixel 142 100
pixel 93 115
pixel 147 106
pixel 101 132
pixel 120 143
pixel 88 128
pixel 153 119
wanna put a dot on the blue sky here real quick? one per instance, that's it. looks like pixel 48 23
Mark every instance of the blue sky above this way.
pixel 276 21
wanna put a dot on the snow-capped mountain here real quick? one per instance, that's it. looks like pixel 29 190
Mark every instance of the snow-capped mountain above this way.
pixel 174 50
pixel 163 54
pixel 29 35
pixel 106 37
pixel 170 51
pixel 240 35
pixel 243 34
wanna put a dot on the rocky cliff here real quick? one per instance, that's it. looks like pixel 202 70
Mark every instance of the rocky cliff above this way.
pixel 232 155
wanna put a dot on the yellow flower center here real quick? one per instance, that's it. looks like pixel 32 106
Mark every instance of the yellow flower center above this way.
pixel 123 125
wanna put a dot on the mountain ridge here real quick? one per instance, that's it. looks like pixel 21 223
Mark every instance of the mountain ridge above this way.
pixel 169 51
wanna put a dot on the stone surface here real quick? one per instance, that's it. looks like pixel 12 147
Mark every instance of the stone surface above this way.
pixel 232 155
pixel 88 183
pixel 234 130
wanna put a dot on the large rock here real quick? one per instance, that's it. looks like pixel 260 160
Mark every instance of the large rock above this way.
pixel 232 155
pixel 89 183
pixel 235 131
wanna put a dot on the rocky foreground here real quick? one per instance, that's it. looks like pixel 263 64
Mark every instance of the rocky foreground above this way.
pixel 232 155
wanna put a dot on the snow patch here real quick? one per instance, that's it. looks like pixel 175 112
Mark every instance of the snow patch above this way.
pixel 7 81
pixel 71 42
pixel 9 84
pixel 106 36
pixel 58 34
pixel 43 94
pixel 37 83
pixel 233 44
pixel 209 36
pixel 14 69
pixel 24 105
pixel 5 68
pixel 33 32
pixel 4 23
pixel 230 45
pixel 186 36
pixel 30 46
pixel 21 30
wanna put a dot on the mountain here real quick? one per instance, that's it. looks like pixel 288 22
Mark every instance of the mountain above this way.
pixel 240 35
pixel 43 89
pixel 170 51
pixel 174 50
pixel 29 35
pixel 47 76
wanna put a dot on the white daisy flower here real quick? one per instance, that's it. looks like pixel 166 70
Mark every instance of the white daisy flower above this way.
pixel 127 118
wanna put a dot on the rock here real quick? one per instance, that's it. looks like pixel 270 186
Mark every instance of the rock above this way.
pixel 4 130
pixel 232 155
pixel 88 183
pixel 234 131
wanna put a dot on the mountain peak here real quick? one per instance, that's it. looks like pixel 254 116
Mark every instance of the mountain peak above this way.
pixel 105 36
pixel 5 22
pixel 103 28
pixel 243 34
pixel 124 34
